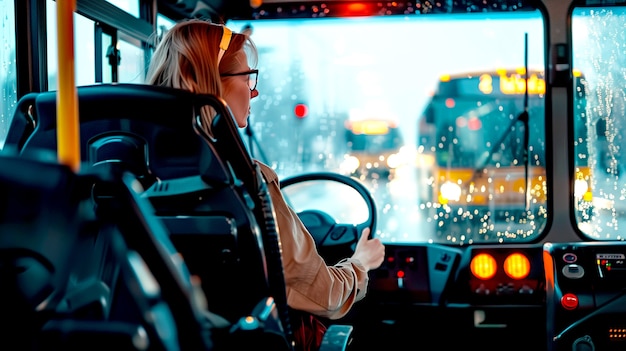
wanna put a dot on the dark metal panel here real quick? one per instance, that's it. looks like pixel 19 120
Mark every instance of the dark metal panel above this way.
pixel 102 11
pixel 226 9
pixel 31 51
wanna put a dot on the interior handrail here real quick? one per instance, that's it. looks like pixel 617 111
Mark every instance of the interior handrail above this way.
pixel 67 100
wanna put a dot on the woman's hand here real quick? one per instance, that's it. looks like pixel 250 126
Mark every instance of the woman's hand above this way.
pixel 370 252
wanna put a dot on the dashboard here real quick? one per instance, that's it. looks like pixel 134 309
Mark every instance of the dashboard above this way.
pixel 585 290
pixel 544 296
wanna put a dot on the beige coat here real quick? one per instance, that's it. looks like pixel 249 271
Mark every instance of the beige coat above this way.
pixel 312 286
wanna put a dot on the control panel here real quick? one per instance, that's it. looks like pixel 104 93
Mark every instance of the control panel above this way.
pixel 587 291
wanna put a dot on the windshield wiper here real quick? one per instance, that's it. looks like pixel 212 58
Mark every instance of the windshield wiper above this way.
pixel 523 117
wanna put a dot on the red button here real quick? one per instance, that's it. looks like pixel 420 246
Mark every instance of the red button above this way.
pixel 569 301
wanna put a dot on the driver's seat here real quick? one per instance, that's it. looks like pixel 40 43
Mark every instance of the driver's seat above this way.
pixel 228 143
pixel 150 114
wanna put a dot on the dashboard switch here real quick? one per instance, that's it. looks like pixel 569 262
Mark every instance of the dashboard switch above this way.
pixel 570 258
pixel 569 301
pixel 573 271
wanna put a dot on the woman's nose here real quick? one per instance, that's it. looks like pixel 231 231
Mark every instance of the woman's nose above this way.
pixel 254 93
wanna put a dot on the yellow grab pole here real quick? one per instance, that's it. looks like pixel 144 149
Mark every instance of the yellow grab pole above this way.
pixel 67 102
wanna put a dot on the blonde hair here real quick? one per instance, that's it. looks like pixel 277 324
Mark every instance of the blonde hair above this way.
pixel 187 58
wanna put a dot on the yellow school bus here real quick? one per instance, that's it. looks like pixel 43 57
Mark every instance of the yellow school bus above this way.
pixel 374 148
pixel 485 133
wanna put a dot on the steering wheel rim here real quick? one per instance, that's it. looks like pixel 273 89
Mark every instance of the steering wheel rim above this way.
pixel 330 227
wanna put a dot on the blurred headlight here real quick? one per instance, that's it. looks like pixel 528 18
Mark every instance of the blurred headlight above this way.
pixel 580 188
pixel 450 191
pixel 350 164
pixel 394 161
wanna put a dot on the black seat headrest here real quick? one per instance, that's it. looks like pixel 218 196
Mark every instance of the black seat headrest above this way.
pixel 147 129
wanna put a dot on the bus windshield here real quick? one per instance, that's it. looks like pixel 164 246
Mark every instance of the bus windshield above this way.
pixel 598 121
pixel 349 68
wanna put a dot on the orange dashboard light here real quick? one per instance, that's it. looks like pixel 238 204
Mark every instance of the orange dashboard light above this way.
pixel 517 266
pixel 483 266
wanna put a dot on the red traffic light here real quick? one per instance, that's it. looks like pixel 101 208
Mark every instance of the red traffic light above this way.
pixel 301 110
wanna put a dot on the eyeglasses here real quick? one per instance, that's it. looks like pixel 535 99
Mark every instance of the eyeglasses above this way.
pixel 253 77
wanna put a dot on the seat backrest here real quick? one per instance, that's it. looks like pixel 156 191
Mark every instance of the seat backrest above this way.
pixel 151 132
pixel 230 146
pixel 147 128
pixel 40 218
pixel 207 191
pixel 155 285
pixel 74 266
pixel 23 123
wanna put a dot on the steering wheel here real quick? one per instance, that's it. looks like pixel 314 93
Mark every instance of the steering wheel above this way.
pixel 335 241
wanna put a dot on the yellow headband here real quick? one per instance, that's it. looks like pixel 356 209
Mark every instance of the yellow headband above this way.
pixel 224 43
